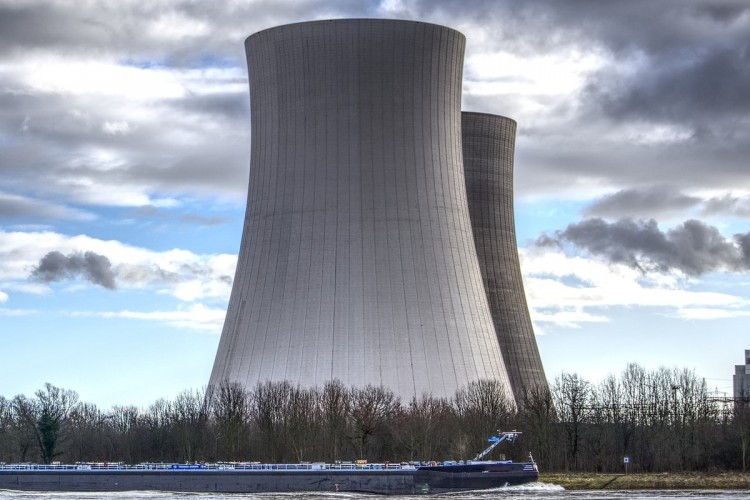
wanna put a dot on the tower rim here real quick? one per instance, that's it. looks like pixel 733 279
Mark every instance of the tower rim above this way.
pixel 489 115
pixel 348 20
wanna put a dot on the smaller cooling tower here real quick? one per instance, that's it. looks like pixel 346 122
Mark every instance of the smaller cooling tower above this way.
pixel 488 146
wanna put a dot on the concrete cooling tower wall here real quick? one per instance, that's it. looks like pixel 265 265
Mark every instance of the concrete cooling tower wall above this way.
pixel 357 259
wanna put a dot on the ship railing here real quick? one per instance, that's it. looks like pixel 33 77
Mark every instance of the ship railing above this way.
pixel 217 466
pixel 35 467
pixel 315 466
pixel 79 466
pixel 273 466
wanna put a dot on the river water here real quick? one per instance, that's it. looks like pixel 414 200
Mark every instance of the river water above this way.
pixel 537 490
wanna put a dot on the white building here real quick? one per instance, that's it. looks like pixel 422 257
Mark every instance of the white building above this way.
pixel 741 379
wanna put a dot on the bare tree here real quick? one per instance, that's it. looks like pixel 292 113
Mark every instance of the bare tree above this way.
pixel 24 411
pixel 6 430
pixel 303 421
pixel 424 426
pixel 537 415
pixel 269 409
pixel 157 425
pixel 372 410
pixel 572 401
pixel 335 404
pixel 189 419
pixel 231 413
pixel 123 423
pixel 86 431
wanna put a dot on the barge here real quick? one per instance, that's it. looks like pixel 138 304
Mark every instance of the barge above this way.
pixel 384 478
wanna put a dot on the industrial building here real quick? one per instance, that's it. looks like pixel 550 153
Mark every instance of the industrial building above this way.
pixel 741 381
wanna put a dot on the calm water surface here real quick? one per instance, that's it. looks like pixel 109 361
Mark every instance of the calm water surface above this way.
pixel 538 490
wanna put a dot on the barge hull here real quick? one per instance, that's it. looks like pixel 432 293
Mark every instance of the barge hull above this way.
pixel 386 482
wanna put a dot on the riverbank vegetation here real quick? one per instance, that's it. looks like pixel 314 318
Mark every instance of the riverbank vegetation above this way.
pixel 662 420
pixel 650 481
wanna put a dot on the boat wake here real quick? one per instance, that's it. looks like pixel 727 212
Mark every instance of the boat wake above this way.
pixel 536 486
pixel 523 490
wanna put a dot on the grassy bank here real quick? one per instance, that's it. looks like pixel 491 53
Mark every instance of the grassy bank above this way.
pixel 667 481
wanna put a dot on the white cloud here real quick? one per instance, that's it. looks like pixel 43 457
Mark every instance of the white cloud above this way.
pixel 194 317
pixel 85 77
pixel 569 318
pixel 538 84
pixel 707 313
pixel 28 288
pixel 15 313
pixel 563 290
pixel 647 134
pixel 86 189
pixel 176 26
pixel 552 74
pixel 116 127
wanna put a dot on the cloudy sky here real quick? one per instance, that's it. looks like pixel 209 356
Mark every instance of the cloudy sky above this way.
pixel 124 156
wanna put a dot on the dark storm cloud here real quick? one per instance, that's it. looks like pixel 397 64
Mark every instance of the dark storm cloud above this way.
pixel 39 25
pixel 641 202
pixel 664 27
pixel 234 107
pixel 693 247
pixel 96 268
pixel 212 30
pixel 674 63
pixel 87 265
pixel 106 29
pixel 694 88
pixel 668 106
pixel 56 141
pixel 735 206
pixel 665 201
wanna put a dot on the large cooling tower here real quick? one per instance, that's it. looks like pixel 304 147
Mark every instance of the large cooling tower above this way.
pixel 488 146
pixel 357 259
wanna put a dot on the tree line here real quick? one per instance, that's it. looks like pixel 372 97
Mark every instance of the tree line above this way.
pixel 662 420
